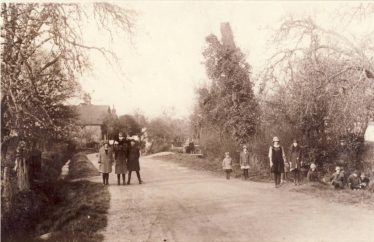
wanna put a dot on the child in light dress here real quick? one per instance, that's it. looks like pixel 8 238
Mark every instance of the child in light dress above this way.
pixel 227 165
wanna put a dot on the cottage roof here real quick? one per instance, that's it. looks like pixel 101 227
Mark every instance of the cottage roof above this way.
pixel 89 114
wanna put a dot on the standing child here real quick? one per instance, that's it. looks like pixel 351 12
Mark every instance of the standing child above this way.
pixel 226 165
pixel 105 162
pixel 120 157
pixel 244 162
pixel 295 161
pixel 277 159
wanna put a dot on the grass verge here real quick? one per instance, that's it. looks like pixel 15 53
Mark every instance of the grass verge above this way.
pixel 81 167
pixel 213 166
pixel 358 198
pixel 80 215
pixel 361 198
pixel 81 210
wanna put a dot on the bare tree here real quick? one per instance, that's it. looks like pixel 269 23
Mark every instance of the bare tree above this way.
pixel 42 52
pixel 321 80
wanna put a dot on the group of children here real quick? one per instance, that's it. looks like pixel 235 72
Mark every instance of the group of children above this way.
pixel 339 179
pixel 244 163
pixel 355 182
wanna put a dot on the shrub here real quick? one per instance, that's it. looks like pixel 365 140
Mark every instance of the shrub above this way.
pixel 159 147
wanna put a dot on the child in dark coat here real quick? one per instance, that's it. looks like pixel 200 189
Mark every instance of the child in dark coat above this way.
pixel 354 181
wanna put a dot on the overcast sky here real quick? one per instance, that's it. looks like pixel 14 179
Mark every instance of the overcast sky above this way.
pixel 162 64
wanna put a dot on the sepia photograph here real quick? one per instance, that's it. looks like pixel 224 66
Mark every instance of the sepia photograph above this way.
pixel 187 121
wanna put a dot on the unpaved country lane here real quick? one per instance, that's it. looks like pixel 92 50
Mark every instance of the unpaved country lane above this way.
pixel 179 204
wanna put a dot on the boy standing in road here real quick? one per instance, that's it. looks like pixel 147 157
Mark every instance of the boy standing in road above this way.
pixel 244 162
pixel 226 165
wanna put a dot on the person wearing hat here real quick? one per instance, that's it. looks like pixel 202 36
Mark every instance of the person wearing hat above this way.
pixel 227 165
pixel 133 161
pixel 105 161
pixel 277 158
pixel 120 157
pixel 295 161
pixel 244 161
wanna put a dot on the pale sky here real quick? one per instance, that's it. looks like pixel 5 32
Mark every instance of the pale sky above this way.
pixel 162 63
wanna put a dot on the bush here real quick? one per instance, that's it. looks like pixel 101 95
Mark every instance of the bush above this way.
pixel 159 147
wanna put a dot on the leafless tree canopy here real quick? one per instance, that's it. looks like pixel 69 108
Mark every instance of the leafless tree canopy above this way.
pixel 42 52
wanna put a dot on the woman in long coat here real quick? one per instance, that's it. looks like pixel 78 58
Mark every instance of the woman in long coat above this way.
pixel 133 161
pixel 120 157
pixel 277 159
pixel 295 161
pixel 106 162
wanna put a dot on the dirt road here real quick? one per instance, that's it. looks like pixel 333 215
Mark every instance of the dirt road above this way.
pixel 178 204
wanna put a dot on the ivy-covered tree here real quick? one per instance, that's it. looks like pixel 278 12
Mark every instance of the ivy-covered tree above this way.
pixel 228 104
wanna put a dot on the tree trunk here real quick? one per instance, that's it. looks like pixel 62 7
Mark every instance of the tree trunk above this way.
pixel 7 191
pixel 23 180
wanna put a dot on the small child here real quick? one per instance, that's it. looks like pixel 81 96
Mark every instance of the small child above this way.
pixel 226 165
pixel 364 181
pixel 354 181
pixel 337 179
pixel 312 175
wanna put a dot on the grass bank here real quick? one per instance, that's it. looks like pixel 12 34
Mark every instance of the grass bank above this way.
pixel 346 196
pixel 79 215
pixel 81 167
pixel 213 166
pixel 361 198
pixel 81 211
pixel 60 210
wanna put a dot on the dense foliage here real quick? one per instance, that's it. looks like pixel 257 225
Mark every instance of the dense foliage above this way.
pixel 228 104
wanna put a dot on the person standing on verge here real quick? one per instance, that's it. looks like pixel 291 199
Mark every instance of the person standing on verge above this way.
pixel 133 161
pixel 295 161
pixel 277 159
pixel 105 161
pixel 244 161
pixel 226 165
pixel 120 157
